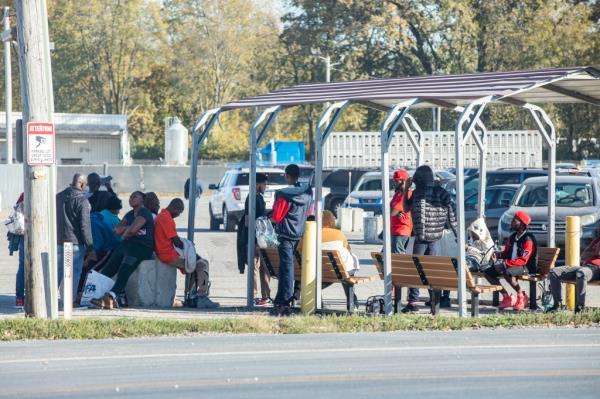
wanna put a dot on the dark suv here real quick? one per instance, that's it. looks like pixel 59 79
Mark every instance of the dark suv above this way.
pixel 502 176
pixel 340 182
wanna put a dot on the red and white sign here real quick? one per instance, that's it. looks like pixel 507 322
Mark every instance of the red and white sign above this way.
pixel 40 143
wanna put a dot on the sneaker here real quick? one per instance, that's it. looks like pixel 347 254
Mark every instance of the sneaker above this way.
pixel 19 303
pixel 507 302
pixel 445 302
pixel 261 302
pixel 410 308
pixel 522 300
pixel 205 302
pixel 579 309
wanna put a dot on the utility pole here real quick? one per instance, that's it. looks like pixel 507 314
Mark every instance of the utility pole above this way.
pixel 36 94
pixel 8 85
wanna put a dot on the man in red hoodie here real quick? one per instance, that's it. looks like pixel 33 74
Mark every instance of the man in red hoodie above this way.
pixel 518 258
pixel 588 271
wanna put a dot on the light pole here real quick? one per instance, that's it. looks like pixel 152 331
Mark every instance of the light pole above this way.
pixel 7 39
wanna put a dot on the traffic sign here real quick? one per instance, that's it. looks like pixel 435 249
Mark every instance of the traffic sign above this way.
pixel 40 143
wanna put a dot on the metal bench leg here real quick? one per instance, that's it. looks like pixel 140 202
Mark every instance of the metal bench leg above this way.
pixel 397 298
pixel 496 298
pixel 533 295
pixel 435 302
pixel 474 304
pixel 350 305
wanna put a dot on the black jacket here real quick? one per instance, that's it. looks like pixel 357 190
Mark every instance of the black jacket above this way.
pixel 430 207
pixel 99 200
pixel 242 230
pixel 299 197
pixel 73 218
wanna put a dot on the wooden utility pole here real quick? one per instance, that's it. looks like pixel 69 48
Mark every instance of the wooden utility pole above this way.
pixel 36 94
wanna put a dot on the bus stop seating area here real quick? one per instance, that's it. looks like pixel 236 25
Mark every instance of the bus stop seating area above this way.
pixel 153 284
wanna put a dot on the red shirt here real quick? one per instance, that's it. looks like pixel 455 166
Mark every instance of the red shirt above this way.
pixel 401 224
pixel 164 232
pixel 593 248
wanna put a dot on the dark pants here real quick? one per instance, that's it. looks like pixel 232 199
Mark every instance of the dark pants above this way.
pixel 399 244
pixel 580 274
pixel 124 260
pixel 285 287
pixel 20 281
pixel 427 248
pixel 493 275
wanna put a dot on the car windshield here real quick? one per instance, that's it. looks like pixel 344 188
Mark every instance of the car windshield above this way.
pixel 273 178
pixel 569 195
pixel 372 185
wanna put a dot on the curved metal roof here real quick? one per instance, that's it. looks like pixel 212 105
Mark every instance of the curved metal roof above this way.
pixel 555 85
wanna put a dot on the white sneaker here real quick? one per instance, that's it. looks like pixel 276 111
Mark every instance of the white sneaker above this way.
pixel 205 302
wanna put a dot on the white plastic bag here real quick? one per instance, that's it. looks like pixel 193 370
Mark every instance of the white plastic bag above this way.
pixel 265 233
pixel 96 285
pixel 16 222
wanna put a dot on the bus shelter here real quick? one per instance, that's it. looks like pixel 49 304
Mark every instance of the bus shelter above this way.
pixel 467 94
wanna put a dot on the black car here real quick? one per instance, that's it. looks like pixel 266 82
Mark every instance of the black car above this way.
pixel 497 201
pixel 340 182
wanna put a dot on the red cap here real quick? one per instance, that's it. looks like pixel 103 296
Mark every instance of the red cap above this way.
pixel 401 174
pixel 523 217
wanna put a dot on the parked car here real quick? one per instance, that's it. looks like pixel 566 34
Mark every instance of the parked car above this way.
pixel 468 171
pixel 340 182
pixel 226 206
pixel 575 196
pixel 501 176
pixel 497 201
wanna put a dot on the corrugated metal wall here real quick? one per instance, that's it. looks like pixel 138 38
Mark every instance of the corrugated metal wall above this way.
pixel 363 149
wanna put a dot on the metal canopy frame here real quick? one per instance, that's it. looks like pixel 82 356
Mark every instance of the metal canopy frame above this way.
pixel 468 125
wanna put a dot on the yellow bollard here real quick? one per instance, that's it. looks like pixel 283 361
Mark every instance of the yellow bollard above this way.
pixel 309 269
pixel 572 237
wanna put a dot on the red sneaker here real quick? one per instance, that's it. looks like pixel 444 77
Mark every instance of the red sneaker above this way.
pixel 507 302
pixel 522 301
pixel 20 303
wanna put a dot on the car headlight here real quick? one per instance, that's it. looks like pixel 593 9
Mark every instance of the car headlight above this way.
pixel 588 219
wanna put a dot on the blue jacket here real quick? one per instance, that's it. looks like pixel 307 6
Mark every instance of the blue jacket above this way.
pixel 104 238
pixel 299 198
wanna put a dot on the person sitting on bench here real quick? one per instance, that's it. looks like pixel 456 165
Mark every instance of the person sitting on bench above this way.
pixel 587 272
pixel 480 246
pixel 518 257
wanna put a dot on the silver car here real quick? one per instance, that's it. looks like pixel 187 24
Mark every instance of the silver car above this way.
pixel 575 196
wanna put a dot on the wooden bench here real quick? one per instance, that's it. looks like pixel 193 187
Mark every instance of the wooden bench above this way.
pixel 404 274
pixel 334 271
pixel 441 273
pixel 545 262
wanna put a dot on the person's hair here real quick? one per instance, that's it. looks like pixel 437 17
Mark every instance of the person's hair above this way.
pixel 328 219
pixel 114 203
pixel 176 203
pixel 292 170
pixel 261 178
pixel 93 178
pixel 141 194
pixel 77 177
pixel 423 177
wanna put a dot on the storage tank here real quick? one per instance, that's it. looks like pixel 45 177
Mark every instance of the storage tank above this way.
pixel 176 142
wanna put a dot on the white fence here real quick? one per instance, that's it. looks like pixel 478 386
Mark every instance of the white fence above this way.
pixel 522 148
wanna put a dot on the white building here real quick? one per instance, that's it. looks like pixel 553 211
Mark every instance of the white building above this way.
pixel 81 138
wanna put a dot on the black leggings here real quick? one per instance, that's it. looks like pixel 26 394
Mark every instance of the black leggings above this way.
pixel 124 260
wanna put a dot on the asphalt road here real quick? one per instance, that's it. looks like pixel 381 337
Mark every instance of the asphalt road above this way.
pixel 528 363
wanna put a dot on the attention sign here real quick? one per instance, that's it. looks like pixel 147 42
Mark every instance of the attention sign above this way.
pixel 40 143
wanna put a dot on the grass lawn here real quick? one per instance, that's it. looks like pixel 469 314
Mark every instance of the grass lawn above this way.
pixel 94 328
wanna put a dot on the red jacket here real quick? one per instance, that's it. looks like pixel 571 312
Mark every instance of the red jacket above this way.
pixel 525 250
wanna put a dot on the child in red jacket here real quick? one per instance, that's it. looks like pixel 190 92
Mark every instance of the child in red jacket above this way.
pixel 517 258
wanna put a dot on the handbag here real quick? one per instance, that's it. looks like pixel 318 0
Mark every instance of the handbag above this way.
pixel 265 233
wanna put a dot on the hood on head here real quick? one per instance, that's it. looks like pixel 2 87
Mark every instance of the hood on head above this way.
pixel 479 227
pixel 423 177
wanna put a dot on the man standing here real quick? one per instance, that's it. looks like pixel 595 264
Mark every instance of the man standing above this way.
pixel 98 198
pixel 73 225
pixel 587 272
pixel 289 214
pixel 401 222
pixel 171 250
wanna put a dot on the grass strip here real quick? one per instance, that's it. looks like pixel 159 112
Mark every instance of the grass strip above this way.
pixel 94 328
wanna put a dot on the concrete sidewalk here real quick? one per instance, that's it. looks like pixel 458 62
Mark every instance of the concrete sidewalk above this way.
pixel 228 285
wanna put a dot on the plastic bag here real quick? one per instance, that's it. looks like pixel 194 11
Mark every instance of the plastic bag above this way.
pixel 96 285
pixel 265 233
pixel 16 222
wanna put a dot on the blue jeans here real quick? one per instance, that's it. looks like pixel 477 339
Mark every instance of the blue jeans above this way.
pixel 429 248
pixel 20 281
pixel 285 287
pixel 78 258
pixel 399 244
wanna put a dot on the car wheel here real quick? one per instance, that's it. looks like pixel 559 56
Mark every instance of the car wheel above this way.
pixel 214 222
pixel 228 221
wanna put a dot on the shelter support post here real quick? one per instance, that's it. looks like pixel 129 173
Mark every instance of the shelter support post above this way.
pixel 327 122
pixel 257 133
pixel 481 141
pixel 415 135
pixel 199 133
pixel 395 116
pixel 546 129
pixel 465 126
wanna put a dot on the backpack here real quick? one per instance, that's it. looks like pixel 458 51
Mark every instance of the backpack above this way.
pixel 532 265
pixel 375 305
